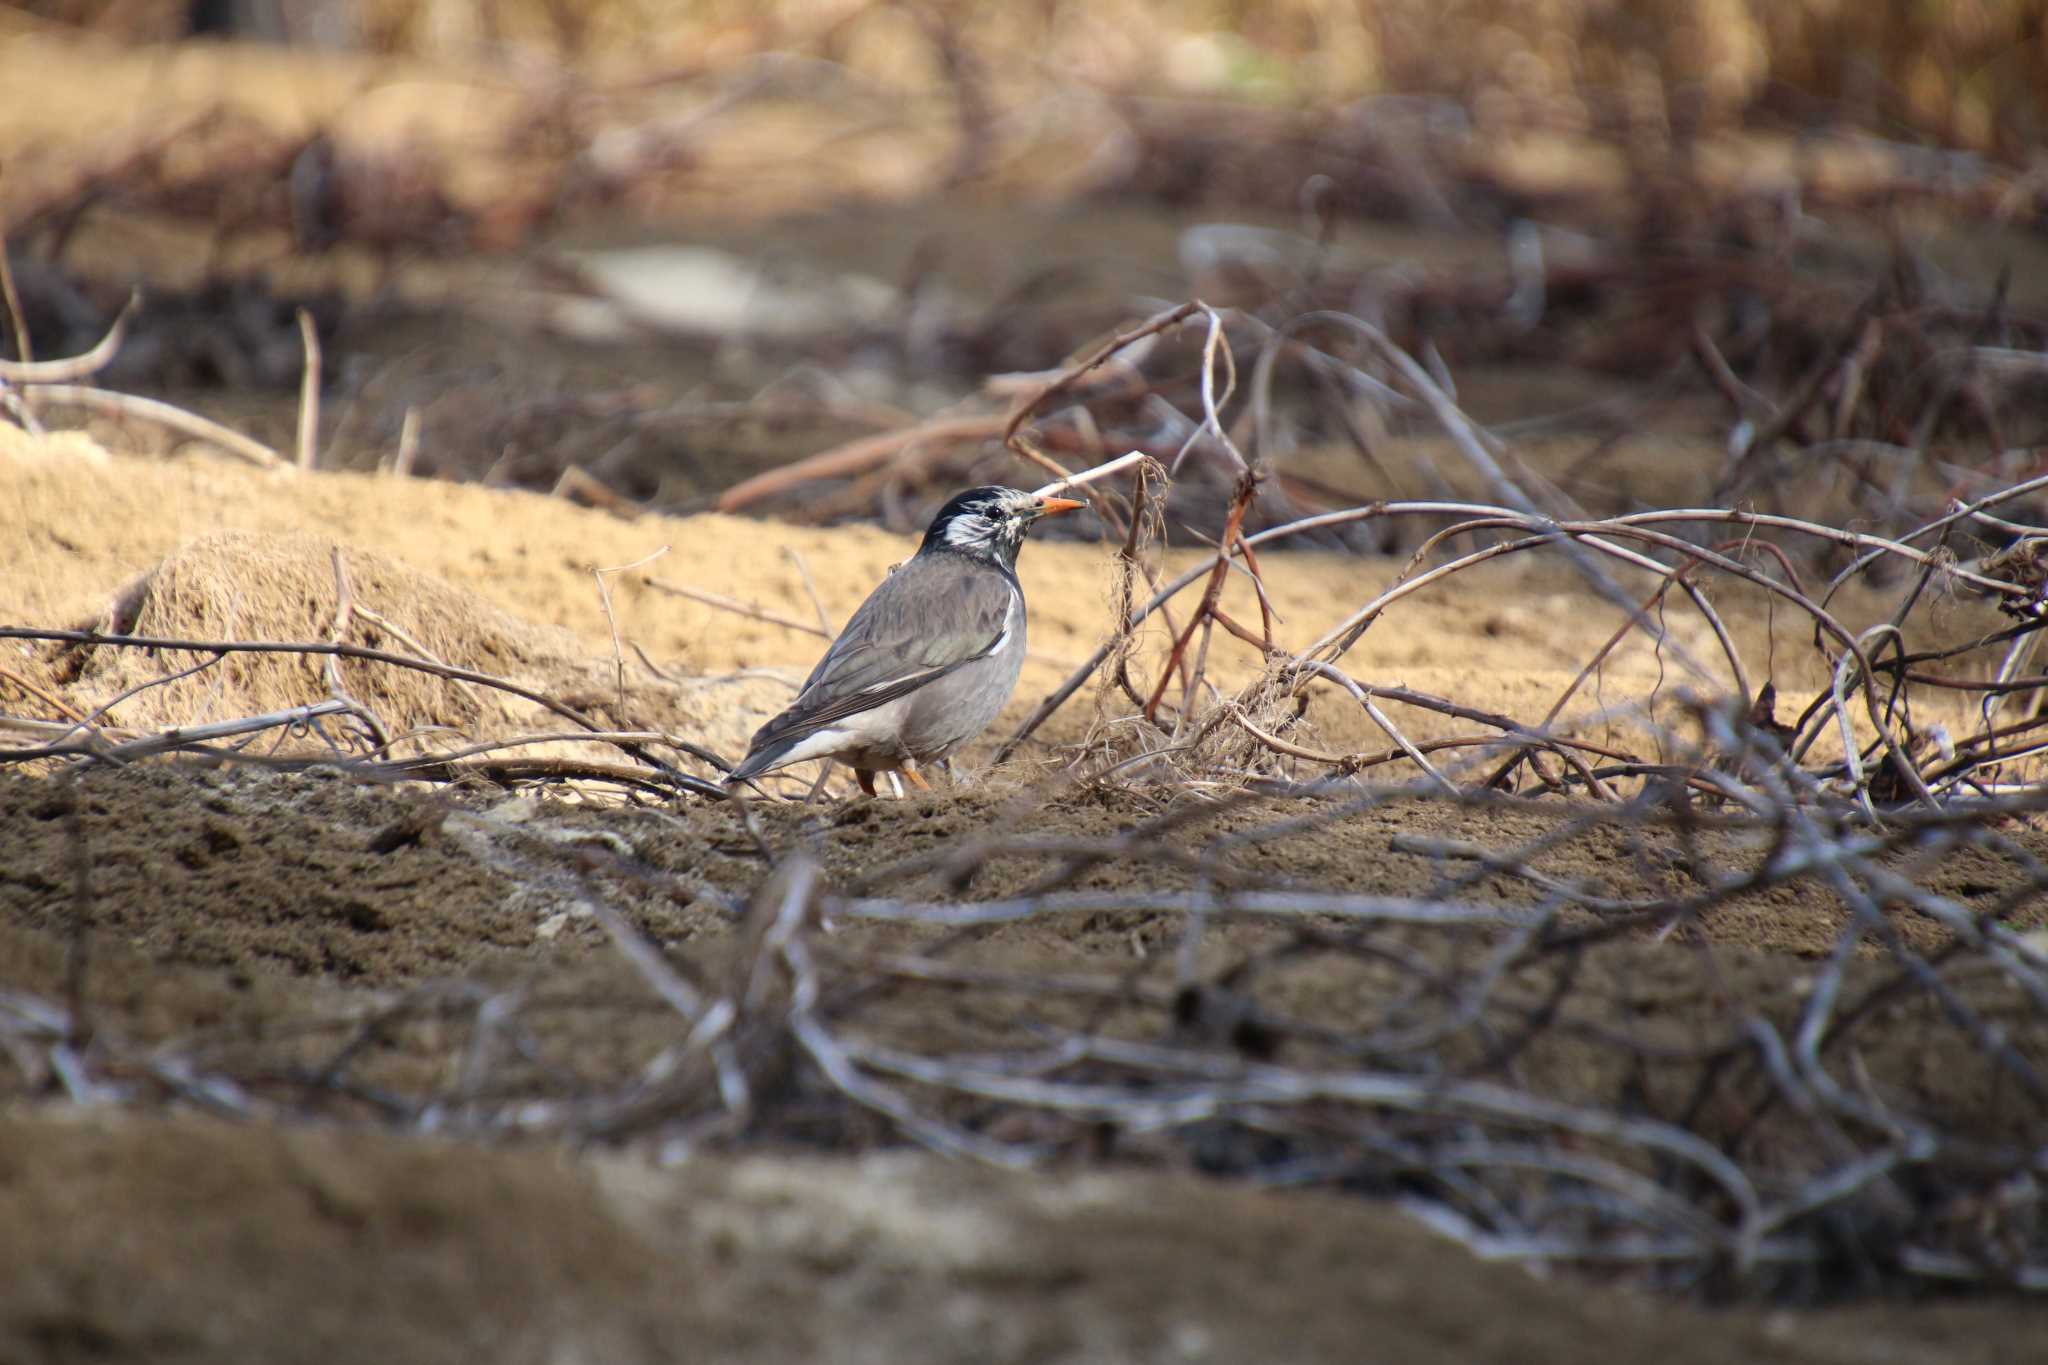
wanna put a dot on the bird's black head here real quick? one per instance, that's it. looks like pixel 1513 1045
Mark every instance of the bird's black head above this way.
pixel 989 523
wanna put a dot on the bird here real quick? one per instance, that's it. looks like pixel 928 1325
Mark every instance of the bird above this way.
pixel 926 663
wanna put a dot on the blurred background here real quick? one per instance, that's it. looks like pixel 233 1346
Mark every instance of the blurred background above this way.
pixel 674 245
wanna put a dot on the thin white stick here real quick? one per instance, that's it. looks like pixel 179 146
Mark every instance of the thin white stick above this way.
pixel 309 394
pixel 27 371
pixel 182 736
pixel 811 587
pixel 604 594
pixel 129 405
pixel 408 443
pixel 732 604
pixel 1087 476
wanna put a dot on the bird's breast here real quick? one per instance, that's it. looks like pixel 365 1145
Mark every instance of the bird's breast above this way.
pixel 962 704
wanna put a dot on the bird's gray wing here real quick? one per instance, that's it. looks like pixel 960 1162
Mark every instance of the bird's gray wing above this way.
pixel 932 615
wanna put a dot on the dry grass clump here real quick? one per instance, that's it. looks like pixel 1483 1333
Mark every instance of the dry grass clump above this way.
pixel 245 586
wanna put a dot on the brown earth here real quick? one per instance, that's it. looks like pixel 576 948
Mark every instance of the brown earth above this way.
pixel 252 915
pixel 1507 636
pixel 430 1251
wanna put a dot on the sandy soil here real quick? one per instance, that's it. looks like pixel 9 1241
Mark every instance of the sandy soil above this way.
pixel 1508 636
pixel 243 906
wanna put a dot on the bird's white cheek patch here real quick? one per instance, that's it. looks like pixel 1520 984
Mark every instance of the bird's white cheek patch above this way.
pixel 971 532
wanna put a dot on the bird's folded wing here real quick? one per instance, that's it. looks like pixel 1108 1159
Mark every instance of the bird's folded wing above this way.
pixel 931 616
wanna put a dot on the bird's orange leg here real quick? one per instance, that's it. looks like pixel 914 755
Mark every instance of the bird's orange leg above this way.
pixel 916 779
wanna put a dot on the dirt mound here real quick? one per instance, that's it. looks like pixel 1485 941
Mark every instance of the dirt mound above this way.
pixel 171 1241
pixel 316 1247
pixel 497 583
pixel 56 447
pixel 238 586
pixel 1506 637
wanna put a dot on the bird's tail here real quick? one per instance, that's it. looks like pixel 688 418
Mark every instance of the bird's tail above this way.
pixel 762 759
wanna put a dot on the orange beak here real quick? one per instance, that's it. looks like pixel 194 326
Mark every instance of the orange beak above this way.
pixel 1052 507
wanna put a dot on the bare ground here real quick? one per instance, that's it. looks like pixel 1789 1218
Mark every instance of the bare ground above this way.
pixel 329 1245
pixel 254 914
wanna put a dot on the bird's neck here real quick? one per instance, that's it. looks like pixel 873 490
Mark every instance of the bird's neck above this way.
pixel 994 555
